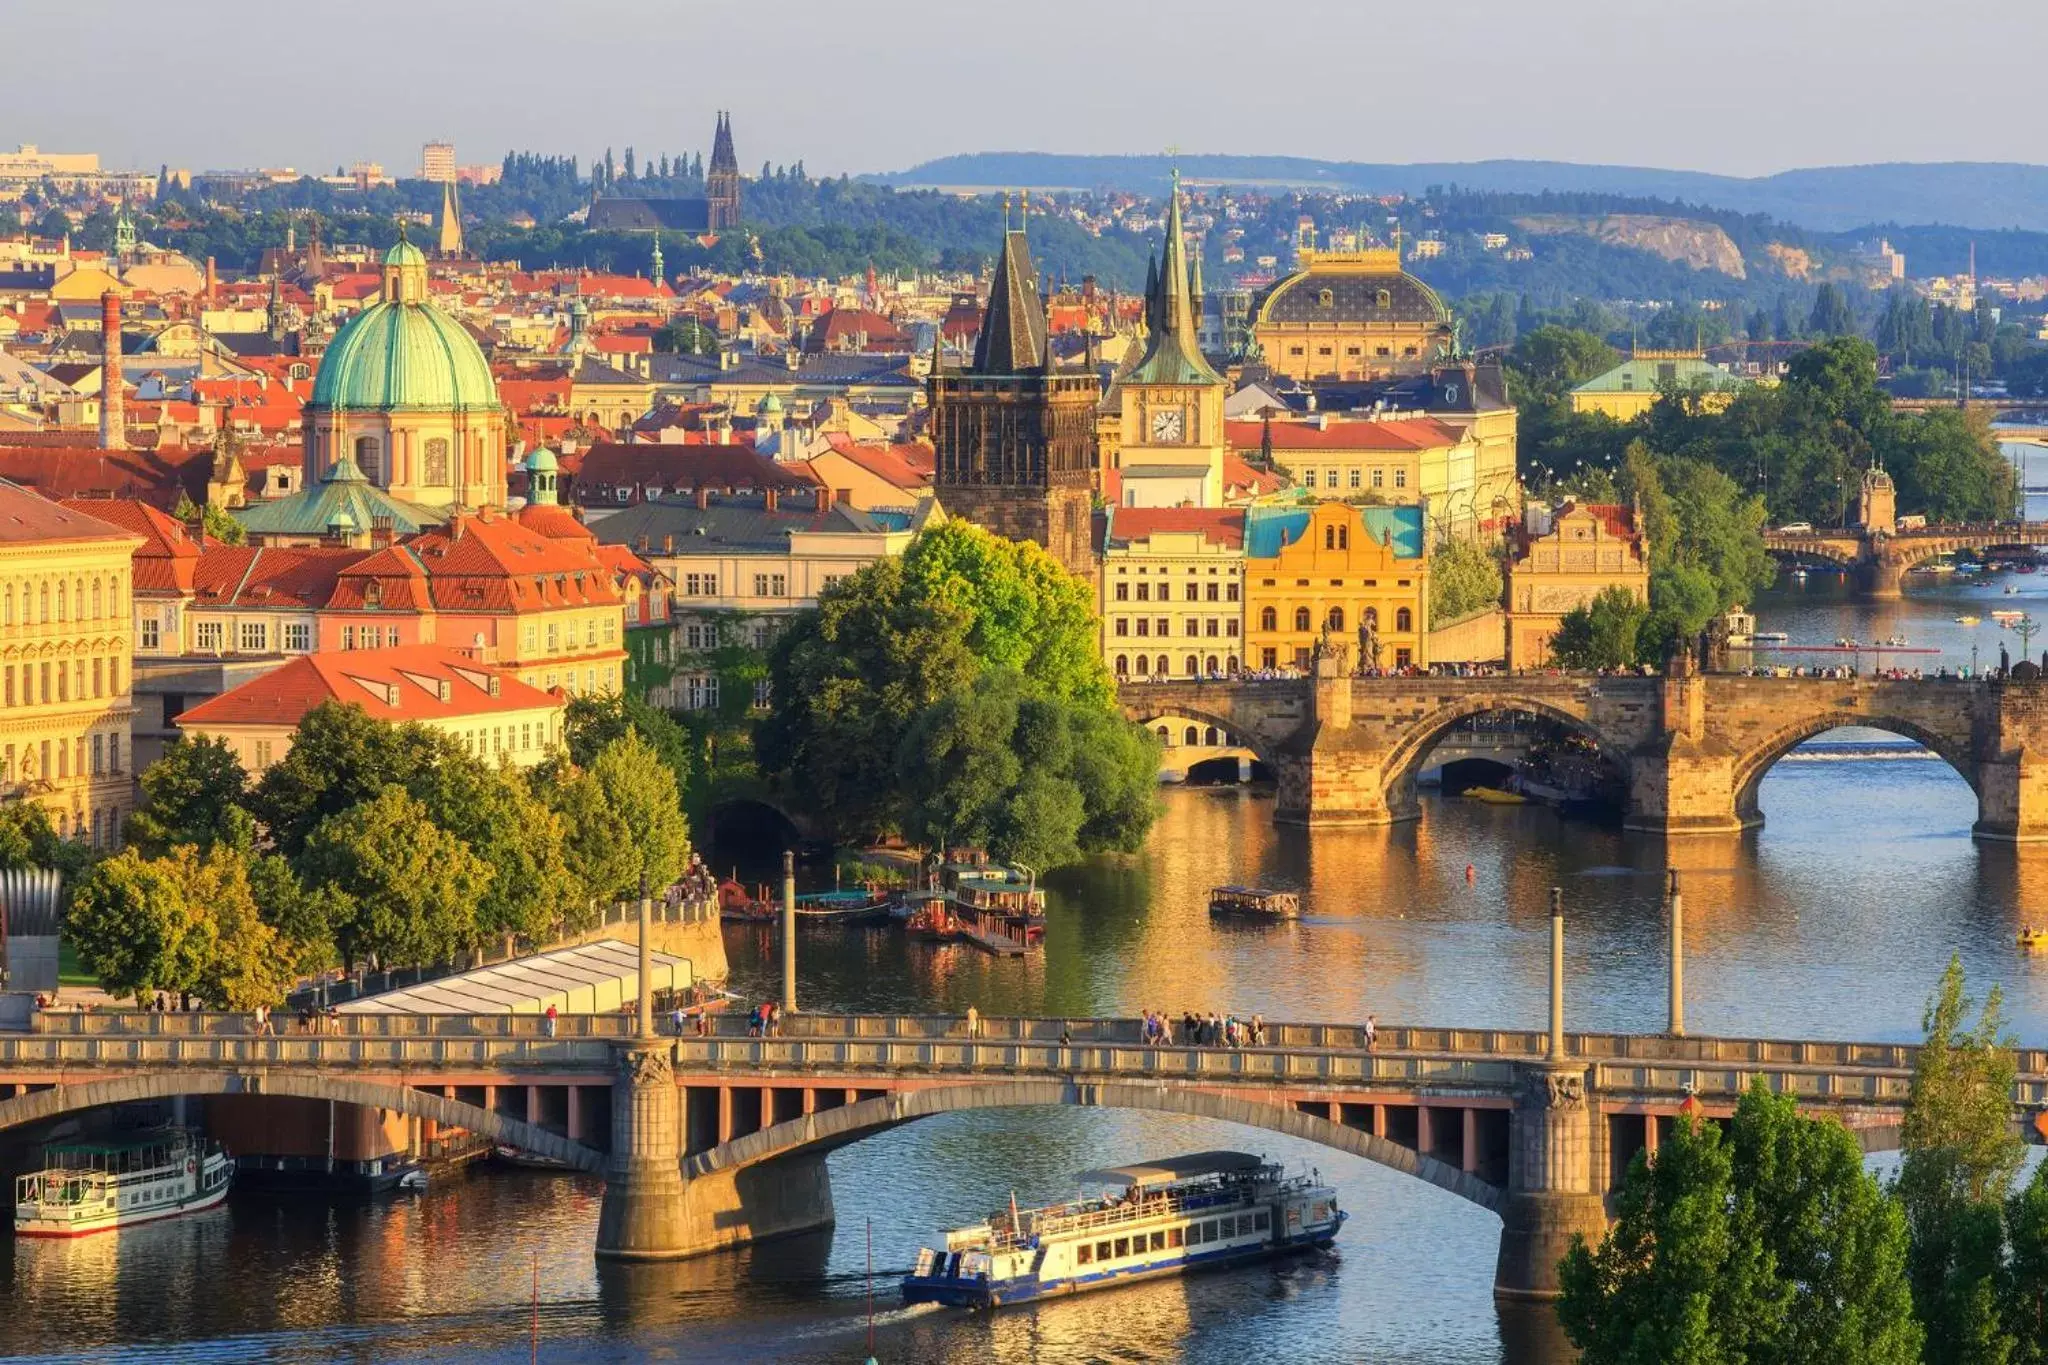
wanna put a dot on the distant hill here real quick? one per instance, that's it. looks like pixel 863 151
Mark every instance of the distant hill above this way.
pixel 1971 194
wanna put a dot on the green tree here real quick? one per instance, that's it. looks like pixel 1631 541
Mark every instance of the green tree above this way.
pixel 218 523
pixel 410 887
pixel 1602 635
pixel 1767 1246
pixel 341 757
pixel 27 838
pixel 134 926
pixel 589 723
pixel 303 916
pixel 2023 1289
pixel 195 795
pixel 249 962
pixel 498 817
pixel 1960 1157
pixel 1550 361
pixel 597 846
pixel 641 791
pixel 1464 577
pixel 1831 316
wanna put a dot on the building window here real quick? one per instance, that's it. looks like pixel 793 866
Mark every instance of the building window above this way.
pixel 209 635
pixel 1144 666
pixel 366 458
pixel 1211 628
pixel 1144 592
pixel 262 754
pixel 1123 592
pixel 1144 625
pixel 1194 592
pixel 1123 665
pixel 527 637
pixel 554 637
pixel 1336 618
pixel 255 637
pixel 700 692
pixel 1230 592
pixel 1230 627
pixel 1404 619
pixel 435 467
pixel 390 635
pixel 1301 618
pixel 98 762
pixel 1269 619
pixel 1383 299
pixel 1123 626
pixel 1194 626
pixel 1400 478
pixel 1212 591
pixel 1379 477
pixel 1403 657
pixel 1194 668
pixel 1356 478
pixel 298 636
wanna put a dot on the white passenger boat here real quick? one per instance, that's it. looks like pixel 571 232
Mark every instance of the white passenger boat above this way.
pixel 1162 1218
pixel 87 1187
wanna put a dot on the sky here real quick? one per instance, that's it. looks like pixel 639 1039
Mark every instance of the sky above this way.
pixel 1740 87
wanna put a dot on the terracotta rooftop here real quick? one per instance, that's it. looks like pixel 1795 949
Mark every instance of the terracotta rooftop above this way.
pixel 403 683
pixel 27 517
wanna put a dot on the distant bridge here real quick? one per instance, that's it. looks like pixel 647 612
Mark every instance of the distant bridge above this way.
pixel 709 1142
pixel 1880 561
pixel 1692 749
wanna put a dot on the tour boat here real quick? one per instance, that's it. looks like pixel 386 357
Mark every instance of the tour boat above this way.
pixel 87 1187
pixel 1496 796
pixel 2006 617
pixel 1966 620
pixel 1254 902
pixel 1770 637
pixel 1168 1217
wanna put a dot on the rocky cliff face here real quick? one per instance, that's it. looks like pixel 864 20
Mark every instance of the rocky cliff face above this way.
pixel 1703 246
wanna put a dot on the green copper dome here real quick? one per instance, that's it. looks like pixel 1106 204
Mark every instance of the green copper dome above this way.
pixel 403 356
pixel 405 253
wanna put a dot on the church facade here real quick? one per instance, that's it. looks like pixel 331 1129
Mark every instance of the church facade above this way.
pixel 716 210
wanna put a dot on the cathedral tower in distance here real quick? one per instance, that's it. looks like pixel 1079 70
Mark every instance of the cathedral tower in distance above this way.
pixel 722 178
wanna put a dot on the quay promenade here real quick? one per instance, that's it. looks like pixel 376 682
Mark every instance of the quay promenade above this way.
pixel 710 1141
pixel 1693 748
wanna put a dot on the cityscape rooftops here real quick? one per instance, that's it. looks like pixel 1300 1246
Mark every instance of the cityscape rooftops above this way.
pixel 398 684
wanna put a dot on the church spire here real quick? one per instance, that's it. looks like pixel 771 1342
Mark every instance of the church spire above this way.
pixel 1172 353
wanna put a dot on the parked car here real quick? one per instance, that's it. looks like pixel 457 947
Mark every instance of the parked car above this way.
pixel 1796 528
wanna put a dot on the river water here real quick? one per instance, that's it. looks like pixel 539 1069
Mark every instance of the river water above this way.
pixel 1833 921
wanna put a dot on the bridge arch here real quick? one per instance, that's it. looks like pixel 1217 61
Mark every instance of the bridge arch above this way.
pixel 1178 718
pixel 1751 768
pixel 1843 554
pixel 168 1083
pixel 1409 753
pixel 832 1128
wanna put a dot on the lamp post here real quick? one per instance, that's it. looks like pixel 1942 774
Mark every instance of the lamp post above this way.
pixel 1557 1053
pixel 1676 1027
pixel 788 931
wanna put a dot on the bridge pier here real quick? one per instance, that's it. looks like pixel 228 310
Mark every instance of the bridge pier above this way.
pixel 642 1217
pixel 1552 1194
pixel 1880 578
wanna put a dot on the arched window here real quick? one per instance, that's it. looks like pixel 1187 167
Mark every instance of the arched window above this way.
pixel 1194 667
pixel 1372 617
pixel 1384 299
pixel 1209 736
pixel 43 615
pixel 1336 620
pixel 1301 618
pixel 1161 667
pixel 63 612
pixel 1269 619
pixel 1329 537
pixel 1231 664
pixel 434 469
pixel 366 458
pixel 1343 532
pixel 1192 737
pixel 96 600
pixel 1123 665
pixel 1144 665
pixel 1404 619
pixel 1210 668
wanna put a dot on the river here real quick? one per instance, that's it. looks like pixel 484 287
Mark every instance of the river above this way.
pixel 1833 921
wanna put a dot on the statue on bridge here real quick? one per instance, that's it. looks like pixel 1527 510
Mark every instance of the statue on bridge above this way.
pixel 1368 642
pixel 1333 657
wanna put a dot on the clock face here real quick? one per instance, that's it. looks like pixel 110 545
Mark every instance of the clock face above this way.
pixel 1168 424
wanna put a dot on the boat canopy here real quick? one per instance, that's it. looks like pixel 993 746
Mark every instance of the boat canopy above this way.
pixel 1174 1168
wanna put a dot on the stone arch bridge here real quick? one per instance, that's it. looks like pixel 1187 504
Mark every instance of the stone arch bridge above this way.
pixel 1879 561
pixel 1692 749
pixel 715 1141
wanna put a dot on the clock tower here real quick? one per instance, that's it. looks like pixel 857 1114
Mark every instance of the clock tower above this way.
pixel 1171 401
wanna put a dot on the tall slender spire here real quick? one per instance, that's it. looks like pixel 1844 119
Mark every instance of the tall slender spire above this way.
pixel 1172 353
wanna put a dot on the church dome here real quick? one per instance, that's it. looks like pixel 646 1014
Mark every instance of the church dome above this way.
pixel 403 354
pixel 542 461
pixel 1354 287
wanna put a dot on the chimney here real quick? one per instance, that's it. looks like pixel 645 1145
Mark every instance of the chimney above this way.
pixel 769 498
pixel 380 531
pixel 842 497
pixel 703 497
pixel 212 283
pixel 668 544
pixel 113 400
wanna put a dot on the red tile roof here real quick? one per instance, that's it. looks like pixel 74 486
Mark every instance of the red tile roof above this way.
pixel 68 471
pixel 908 466
pixel 402 683
pixel 168 557
pixel 488 564
pixel 672 465
pixel 1418 433
pixel 271 576
pixel 27 517
pixel 1217 525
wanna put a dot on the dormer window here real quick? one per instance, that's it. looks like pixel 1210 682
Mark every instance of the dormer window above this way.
pixel 1383 299
pixel 1326 298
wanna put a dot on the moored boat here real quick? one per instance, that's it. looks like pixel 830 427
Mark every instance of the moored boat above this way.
pixel 1496 796
pixel 87 1187
pixel 1161 1218
pixel 1254 902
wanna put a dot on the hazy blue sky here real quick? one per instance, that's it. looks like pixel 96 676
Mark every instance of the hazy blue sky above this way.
pixel 1740 86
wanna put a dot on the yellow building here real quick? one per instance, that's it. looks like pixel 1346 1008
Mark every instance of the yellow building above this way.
pixel 1632 387
pixel 1173 591
pixel 1351 315
pixel 494 715
pixel 1563 561
pixel 1357 573
pixel 66 655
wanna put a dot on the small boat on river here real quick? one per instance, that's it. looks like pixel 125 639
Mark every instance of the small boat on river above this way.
pixel 1158 1219
pixel 1254 902
pixel 87 1187
pixel 1496 796
pixel 2032 939
pixel 1967 620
